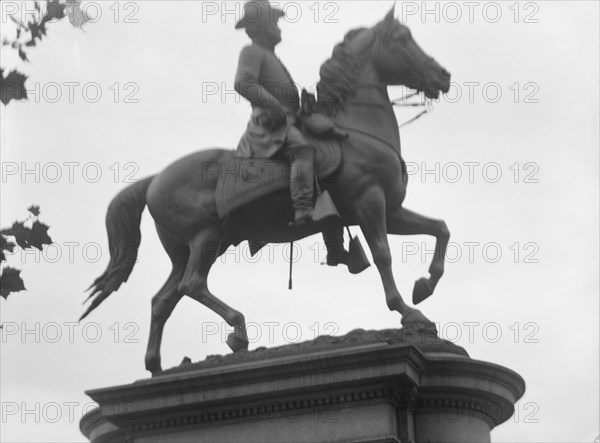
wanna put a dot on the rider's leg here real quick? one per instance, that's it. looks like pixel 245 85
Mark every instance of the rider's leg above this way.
pixel 302 182
pixel 334 241
pixel 301 156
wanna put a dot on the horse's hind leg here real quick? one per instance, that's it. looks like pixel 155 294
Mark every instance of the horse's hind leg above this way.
pixel 165 300
pixel 204 250
pixel 405 222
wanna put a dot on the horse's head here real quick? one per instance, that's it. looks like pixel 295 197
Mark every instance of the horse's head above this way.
pixel 400 61
pixel 395 57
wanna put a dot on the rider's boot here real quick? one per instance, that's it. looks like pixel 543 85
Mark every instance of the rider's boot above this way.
pixel 302 181
pixel 355 258
pixel 334 241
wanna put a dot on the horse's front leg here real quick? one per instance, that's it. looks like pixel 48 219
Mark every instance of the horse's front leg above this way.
pixel 405 222
pixel 370 214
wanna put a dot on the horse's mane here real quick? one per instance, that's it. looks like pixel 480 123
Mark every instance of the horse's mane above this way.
pixel 339 75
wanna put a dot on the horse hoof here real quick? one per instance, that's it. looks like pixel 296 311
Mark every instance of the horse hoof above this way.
pixel 415 317
pixel 236 344
pixel 421 291
pixel 153 365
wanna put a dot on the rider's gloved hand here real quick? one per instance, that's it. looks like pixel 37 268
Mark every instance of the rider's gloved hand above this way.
pixel 277 116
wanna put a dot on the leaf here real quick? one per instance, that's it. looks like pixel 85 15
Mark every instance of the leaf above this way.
pixel 11 281
pixel 23 55
pixel 39 235
pixel 35 31
pixel 20 232
pixel 5 245
pixel 12 87
pixel 34 209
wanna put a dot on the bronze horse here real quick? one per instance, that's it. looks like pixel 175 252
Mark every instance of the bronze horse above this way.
pixel 368 189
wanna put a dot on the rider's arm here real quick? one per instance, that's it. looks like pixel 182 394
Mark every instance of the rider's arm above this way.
pixel 246 79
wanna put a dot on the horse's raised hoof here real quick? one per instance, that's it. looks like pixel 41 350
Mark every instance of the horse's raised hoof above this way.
pixel 236 344
pixel 421 291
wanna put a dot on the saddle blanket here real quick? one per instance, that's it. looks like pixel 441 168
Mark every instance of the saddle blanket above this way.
pixel 242 180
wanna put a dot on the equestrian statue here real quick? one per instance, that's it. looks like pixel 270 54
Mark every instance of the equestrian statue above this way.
pixel 301 168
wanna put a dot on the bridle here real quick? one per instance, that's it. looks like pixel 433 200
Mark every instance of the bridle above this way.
pixel 427 103
pixel 401 102
pixel 398 102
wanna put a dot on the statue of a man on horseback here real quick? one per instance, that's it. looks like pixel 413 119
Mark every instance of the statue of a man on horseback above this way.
pixel 264 81
pixel 367 181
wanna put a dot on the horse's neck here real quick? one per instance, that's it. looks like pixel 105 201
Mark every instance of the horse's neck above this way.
pixel 370 112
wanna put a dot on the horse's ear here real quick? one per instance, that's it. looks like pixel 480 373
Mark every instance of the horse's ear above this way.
pixel 389 18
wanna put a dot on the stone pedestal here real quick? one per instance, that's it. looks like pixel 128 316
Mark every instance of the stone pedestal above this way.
pixel 369 386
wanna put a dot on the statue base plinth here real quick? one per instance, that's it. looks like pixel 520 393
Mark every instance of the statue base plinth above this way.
pixel 369 386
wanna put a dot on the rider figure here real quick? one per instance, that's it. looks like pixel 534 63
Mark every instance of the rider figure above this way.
pixel 265 82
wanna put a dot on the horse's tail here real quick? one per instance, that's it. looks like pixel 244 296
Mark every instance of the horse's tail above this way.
pixel 123 227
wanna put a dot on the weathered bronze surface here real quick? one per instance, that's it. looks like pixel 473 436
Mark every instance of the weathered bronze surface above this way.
pixel 368 189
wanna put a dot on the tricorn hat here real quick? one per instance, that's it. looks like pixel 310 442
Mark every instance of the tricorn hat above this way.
pixel 259 12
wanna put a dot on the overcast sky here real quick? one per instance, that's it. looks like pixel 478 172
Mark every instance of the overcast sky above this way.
pixel 512 155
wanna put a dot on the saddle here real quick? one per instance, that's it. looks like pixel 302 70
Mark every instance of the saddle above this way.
pixel 243 180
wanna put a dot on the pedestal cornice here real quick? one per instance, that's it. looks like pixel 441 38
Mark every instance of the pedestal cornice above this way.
pixel 413 374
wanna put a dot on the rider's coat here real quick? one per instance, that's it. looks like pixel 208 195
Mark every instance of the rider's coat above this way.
pixel 263 80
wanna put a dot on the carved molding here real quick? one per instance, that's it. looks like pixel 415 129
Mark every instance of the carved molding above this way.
pixel 254 411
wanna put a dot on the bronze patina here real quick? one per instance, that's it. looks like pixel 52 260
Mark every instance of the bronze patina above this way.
pixel 368 189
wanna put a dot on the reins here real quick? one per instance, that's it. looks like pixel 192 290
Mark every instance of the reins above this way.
pixel 427 102
pixel 399 102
